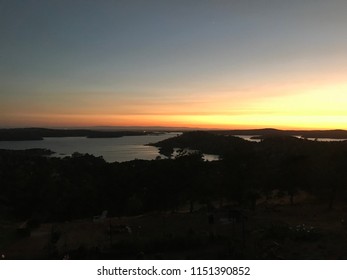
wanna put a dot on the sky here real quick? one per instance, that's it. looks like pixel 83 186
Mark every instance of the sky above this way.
pixel 228 64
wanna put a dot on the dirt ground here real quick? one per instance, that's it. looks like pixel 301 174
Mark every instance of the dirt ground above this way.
pixel 305 230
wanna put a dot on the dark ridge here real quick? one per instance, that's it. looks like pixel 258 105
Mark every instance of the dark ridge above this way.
pixel 206 142
pixel 22 134
pixel 114 134
pixel 36 152
pixel 333 134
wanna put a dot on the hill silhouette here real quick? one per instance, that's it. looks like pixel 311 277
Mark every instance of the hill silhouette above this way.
pixel 266 200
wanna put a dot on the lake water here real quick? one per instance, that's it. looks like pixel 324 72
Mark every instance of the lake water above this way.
pixel 325 139
pixel 249 138
pixel 111 149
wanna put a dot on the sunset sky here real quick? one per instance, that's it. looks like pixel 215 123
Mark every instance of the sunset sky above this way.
pixel 202 63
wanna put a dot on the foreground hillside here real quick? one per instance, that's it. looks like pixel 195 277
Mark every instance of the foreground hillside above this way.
pixel 275 230
pixel 283 191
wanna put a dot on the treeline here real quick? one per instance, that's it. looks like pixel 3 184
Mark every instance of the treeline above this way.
pixel 278 163
pixel 53 189
pixel 22 134
pixel 265 132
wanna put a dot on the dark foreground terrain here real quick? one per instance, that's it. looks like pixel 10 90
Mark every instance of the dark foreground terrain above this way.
pixel 282 198
pixel 276 231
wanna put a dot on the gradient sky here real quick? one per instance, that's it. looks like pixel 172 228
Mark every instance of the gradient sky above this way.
pixel 202 63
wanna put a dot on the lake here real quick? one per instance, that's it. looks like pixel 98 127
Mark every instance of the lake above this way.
pixel 250 138
pixel 111 149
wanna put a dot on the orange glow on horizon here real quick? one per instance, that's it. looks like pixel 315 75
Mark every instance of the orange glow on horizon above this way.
pixel 197 121
pixel 322 106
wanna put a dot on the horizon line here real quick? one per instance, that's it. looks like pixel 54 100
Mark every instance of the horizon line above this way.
pixel 167 128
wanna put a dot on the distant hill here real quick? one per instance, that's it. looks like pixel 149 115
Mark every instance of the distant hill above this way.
pixel 333 134
pixel 20 134
pixel 145 128
pixel 204 141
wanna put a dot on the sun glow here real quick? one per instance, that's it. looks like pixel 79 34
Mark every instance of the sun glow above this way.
pixel 321 106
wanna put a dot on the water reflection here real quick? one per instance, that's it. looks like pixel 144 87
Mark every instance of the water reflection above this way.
pixel 322 139
pixel 253 138
pixel 206 157
pixel 249 137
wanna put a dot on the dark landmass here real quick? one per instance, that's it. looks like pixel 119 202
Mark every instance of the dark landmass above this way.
pixel 36 152
pixel 115 134
pixel 223 143
pixel 206 142
pixel 333 134
pixel 145 128
pixel 22 134
pixel 281 198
